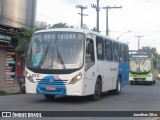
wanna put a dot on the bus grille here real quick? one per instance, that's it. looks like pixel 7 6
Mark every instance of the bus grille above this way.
pixel 139 79
pixel 51 82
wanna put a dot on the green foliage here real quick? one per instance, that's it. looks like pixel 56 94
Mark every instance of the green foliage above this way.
pixel 60 25
pixel 155 54
pixel 2 93
pixel 153 51
pixel 23 36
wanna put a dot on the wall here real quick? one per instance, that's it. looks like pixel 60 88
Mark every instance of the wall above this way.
pixel 2 64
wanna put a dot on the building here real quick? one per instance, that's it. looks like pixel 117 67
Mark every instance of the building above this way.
pixel 14 14
pixel 41 25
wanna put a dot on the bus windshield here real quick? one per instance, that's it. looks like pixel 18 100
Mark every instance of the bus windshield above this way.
pixel 140 65
pixel 56 50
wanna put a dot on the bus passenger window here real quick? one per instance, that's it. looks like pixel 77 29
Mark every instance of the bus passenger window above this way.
pixel 122 52
pixel 116 51
pixel 90 58
pixel 108 50
pixel 126 58
pixel 100 48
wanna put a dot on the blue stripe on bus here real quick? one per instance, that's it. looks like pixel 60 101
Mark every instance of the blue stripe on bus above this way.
pixel 49 81
pixel 124 72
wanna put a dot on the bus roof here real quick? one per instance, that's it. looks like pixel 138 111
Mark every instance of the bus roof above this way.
pixel 85 31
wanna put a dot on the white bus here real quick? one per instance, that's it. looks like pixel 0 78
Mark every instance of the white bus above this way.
pixel 75 62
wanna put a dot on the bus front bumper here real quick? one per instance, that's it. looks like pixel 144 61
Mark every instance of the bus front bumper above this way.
pixel 69 89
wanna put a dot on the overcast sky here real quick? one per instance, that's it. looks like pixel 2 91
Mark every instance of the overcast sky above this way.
pixel 141 17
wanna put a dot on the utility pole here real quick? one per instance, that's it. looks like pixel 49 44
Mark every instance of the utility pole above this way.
pixel 97 9
pixel 107 8
pixel 139 40
pixel 82 8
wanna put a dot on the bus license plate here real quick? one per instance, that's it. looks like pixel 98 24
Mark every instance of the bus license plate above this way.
pixel 50 88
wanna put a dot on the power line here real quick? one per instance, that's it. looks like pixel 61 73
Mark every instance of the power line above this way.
pixel 82 8
pixel 117 2
pixel 122 20
pixel 128 19
pixel 107 8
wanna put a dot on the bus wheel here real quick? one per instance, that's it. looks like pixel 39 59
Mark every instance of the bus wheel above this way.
pixel 150 82
pixel 49 97
pixel 117 91
pixel 131 82
pixel 97 92
pixel 154 82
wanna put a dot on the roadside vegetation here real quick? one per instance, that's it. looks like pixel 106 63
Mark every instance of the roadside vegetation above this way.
pixel 3 93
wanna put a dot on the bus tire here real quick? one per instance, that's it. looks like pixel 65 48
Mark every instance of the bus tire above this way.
pixel 150 82
pixel 131 82
pixel 117 91
pixel 49 97
pixel 154 82
pixel 98 90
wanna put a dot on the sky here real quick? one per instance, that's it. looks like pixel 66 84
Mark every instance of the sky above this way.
pixel 135 18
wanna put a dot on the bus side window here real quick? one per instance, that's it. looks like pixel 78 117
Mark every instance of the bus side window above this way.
pixel 108 50
pixel 122 52
pixel 116 51
pixel 90 58
pixel 100 48
pixel 126 58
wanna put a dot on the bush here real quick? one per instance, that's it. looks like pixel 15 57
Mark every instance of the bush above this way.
pixel 2 93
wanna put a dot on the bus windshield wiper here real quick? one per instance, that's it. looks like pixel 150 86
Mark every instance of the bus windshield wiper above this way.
pixel 61 59
pixel 43 56
pixel 137 64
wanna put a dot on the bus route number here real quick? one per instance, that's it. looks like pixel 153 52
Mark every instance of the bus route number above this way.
pixel 35 75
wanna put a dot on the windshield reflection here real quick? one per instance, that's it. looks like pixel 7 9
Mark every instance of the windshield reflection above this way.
pixel 140 65
pixel 56 51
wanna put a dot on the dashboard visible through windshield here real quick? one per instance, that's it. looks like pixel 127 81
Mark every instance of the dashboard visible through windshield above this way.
pixel 140 65
pixel 56 50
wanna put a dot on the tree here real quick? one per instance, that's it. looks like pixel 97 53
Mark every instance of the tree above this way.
pixel 60 25
pixel 153 51
pixel 23 36
pixel 155 54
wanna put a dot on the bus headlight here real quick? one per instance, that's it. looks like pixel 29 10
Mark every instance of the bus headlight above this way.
pixel 29 77
pixel 76 78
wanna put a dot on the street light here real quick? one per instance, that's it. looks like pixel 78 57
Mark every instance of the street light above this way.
pixel 122 34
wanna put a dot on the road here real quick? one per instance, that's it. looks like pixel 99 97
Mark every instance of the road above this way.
pixel 133 98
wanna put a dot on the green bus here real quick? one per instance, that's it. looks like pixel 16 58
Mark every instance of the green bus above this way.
pixel 142 68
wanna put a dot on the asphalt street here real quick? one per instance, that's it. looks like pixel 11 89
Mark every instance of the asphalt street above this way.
pixel 133 98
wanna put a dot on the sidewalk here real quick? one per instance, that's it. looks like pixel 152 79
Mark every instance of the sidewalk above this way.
pixel 10 88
